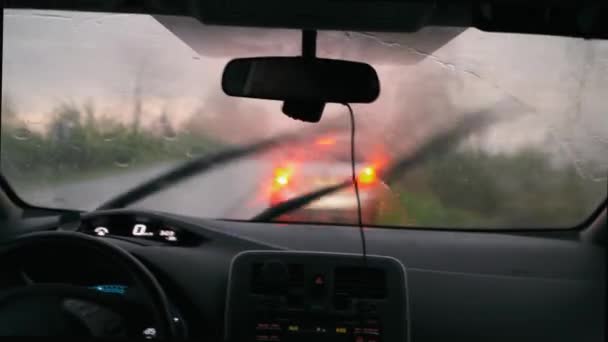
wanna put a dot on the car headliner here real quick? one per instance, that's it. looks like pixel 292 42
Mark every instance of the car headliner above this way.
pixel 567 18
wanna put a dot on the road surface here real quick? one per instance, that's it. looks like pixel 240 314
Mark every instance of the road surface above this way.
pixel 233 191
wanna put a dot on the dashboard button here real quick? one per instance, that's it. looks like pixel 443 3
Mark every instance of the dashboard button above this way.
pixel 371 331
pixel 318 288
pixel 341 330
pixel 262 326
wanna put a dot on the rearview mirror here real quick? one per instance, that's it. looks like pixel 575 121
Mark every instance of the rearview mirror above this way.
pixel 301 80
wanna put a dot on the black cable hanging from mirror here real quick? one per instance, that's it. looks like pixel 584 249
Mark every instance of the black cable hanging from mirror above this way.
pixel 356 183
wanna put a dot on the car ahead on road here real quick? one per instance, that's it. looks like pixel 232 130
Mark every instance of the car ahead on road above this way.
pixel 324 162
pixel 289 180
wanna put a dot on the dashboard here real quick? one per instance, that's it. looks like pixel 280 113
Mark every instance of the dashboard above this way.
pixel 245 281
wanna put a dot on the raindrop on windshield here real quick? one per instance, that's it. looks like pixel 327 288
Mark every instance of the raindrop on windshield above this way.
pixel 194 152
pixel 22 133
pixel 170 136
pixel 108 136
pixel 122 162
pixel 59 200
pixel 123 159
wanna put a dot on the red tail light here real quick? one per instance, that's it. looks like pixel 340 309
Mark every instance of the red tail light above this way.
pixel 326 141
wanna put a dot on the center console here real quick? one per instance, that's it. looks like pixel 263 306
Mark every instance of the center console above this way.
pixel 284 296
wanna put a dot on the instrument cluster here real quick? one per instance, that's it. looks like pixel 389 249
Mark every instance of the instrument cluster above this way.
pixel 138 227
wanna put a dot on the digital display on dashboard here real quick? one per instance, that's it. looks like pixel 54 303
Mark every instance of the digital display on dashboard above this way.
pixel 133 226
pixel 310 329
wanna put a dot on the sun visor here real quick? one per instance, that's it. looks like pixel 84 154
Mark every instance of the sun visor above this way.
pixel 587 19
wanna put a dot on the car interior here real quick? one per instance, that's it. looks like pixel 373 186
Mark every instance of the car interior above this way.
pixel 121 271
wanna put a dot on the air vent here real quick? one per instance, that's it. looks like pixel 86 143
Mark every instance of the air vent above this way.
pixel 360 282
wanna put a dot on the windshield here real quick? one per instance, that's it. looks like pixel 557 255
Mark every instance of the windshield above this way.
pixel 94 104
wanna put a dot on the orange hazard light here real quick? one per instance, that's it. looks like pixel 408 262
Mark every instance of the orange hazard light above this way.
pixel 367 175
pixel 282 176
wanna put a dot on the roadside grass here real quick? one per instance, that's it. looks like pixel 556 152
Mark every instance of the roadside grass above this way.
pixel 477 190
pixel 425 210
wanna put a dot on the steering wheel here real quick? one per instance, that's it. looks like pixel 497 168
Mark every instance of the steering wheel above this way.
pixel 62 309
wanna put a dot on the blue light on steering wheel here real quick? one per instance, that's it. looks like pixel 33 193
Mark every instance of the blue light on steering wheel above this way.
pixel 117 289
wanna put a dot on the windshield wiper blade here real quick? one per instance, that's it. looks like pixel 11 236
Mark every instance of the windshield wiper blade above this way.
pixel 181 172
pixel 203 164
pixel 298 202
pixel 438 144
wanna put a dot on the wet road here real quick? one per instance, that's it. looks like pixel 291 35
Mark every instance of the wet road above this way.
pixel 231 191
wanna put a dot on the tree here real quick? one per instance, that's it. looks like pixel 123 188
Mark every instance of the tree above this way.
pixel 229 119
